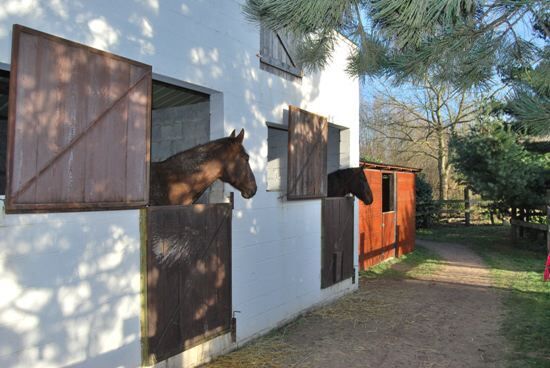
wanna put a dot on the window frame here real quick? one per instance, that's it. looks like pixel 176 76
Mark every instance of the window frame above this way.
pixel 392 189
pixel 284 127
pixel 216 130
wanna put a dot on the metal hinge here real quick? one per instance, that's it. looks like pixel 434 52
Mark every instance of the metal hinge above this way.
pixel 234 326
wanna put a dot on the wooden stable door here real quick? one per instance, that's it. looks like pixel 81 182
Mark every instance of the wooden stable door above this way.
pixel 406 212
pixel 188 277
pixel 388 248
pixel 377 224
pixel 370 222
pixel 337 245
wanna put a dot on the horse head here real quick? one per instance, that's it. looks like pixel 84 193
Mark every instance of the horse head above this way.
pixel 361 188
pixel 236 168
pixel 352 180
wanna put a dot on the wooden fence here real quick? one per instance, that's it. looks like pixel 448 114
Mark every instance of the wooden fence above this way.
pixel 521 229
pixel 456 211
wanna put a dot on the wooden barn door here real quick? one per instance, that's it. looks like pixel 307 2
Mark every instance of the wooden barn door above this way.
pixel 388 235
pixel 337 240
pixel 377 229
pixel 188 277
pixel 370 223
pixel 406 212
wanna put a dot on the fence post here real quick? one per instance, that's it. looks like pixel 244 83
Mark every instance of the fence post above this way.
pixel 548 228
pixel 467 206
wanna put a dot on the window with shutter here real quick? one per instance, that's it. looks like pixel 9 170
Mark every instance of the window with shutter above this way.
pixel 278 54
pixel 307 155
pixel 78 126
pixel 388 192
pixel 338 148
pixel 277 153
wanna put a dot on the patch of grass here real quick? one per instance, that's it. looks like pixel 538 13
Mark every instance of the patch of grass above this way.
pixel 269 351
pixel 420 262
pixel 520 271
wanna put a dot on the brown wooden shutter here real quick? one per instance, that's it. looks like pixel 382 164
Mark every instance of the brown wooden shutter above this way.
pixel 78 126
pixel 278 52
pixel 307 155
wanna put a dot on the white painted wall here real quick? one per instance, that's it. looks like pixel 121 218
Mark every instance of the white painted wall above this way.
pixel 70 289
pixel 276 244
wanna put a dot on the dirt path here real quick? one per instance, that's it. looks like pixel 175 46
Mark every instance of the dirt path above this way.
pixel 449 318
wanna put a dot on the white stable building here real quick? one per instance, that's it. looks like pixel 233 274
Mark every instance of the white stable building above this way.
pixel 78 130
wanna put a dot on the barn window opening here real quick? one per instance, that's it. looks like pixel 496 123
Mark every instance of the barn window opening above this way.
pixel 4 89
pixel 278 54
pixel 277 157
pixel 337 148
pixel 338 155
pixel 388 193
pixel 180 120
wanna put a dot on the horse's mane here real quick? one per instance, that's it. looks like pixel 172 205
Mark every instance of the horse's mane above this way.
pixel 192 158
pixel 346 173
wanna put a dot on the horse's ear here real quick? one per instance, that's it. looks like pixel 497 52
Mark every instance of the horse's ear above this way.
pixel 240 137
pixel 232 135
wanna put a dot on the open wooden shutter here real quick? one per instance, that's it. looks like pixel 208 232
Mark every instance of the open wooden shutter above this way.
pixel 307 155
pixel 78 126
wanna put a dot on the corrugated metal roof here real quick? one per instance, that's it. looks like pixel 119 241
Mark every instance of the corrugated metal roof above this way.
pixel 165 95
pixel 381 166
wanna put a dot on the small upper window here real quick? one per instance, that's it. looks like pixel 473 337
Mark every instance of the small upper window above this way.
pixel 388 194
pixel 278 54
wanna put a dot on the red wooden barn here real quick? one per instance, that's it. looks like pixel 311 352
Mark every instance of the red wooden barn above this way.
pixel 387 226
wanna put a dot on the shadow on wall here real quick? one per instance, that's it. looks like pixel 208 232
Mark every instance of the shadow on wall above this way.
pixel 250 93
pixel 71 281
pixel 70 289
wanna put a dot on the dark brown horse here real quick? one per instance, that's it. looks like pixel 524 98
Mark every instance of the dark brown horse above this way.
pixel 352 180
pixel 183 177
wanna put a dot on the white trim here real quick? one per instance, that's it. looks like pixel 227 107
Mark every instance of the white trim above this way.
pixel 180 83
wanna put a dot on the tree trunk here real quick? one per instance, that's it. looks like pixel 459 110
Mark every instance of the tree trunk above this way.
pixel 442 164
pixel 466 206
